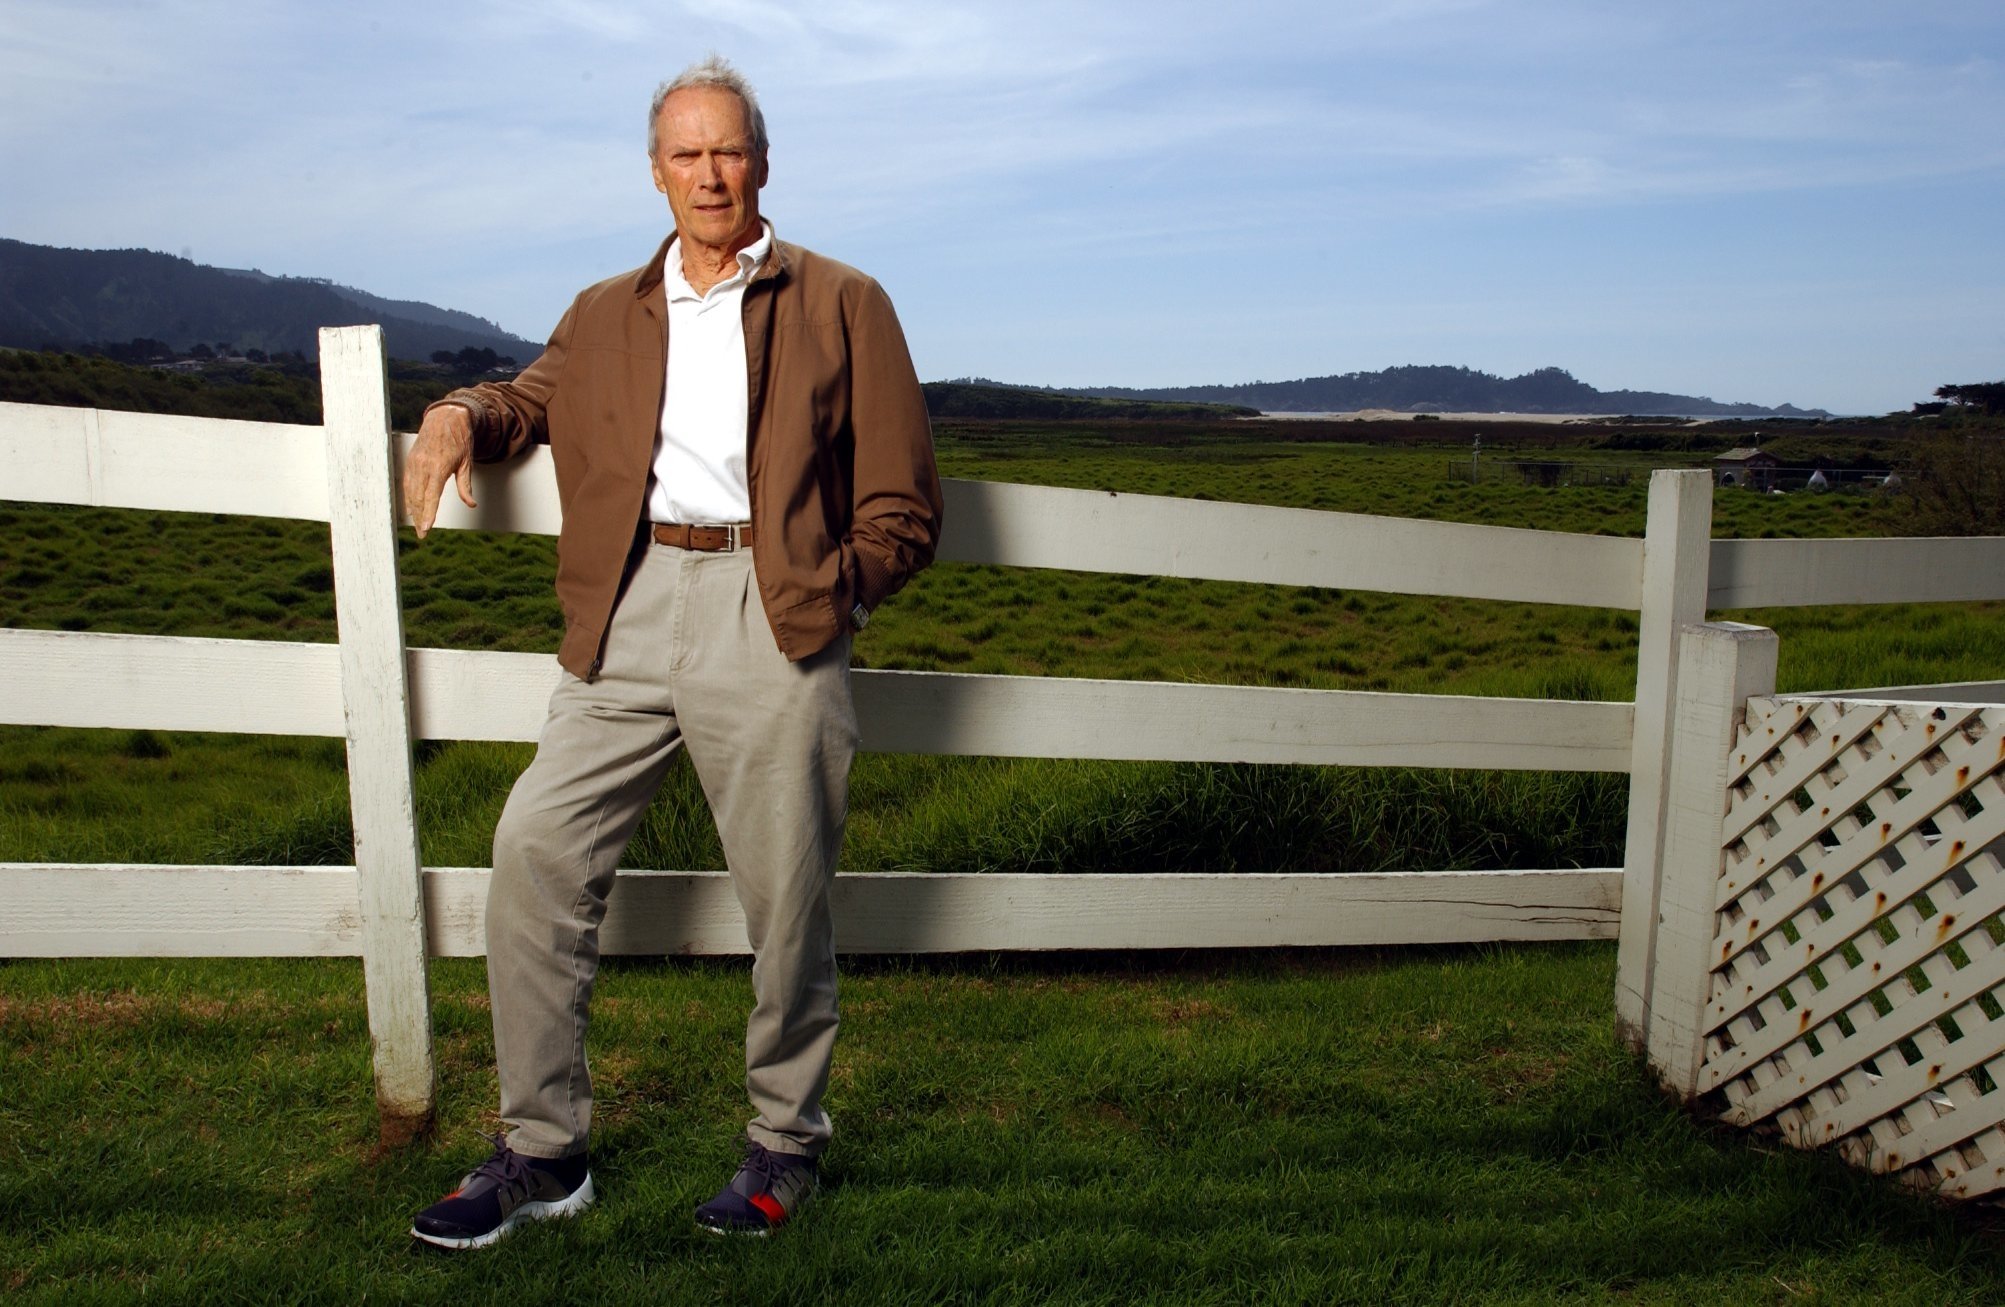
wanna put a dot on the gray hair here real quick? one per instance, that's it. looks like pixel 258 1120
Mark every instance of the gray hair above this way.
pixel 711 71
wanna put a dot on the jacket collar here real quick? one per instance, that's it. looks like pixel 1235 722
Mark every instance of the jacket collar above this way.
pixel 649 281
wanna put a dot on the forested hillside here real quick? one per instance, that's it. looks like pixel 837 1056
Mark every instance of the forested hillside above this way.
pixel 1448 390
pixel 63 297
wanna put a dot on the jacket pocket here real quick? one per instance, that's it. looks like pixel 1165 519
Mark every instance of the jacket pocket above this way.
pixel 808 626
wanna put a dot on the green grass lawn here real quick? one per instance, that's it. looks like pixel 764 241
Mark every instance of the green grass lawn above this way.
pixel 1421 1126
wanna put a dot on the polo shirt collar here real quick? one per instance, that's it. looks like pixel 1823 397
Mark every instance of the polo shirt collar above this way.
pixel 650 280
pixel 749 261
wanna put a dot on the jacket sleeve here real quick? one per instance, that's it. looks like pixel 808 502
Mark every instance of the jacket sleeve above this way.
pixel 895 507
pixel 510 416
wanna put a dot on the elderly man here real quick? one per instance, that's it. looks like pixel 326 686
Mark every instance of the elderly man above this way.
pixel 746 471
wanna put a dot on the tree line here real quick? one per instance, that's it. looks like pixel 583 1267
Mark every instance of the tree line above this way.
pixel 284 389
pixel 1983 396
pixel 474 360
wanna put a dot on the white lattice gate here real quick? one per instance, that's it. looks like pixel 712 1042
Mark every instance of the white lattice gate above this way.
pixel 1857 967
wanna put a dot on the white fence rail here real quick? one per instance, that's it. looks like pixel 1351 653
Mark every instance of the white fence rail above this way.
pixel 380 695
pixel 73 910
pixel 1798 573
pixel 184 683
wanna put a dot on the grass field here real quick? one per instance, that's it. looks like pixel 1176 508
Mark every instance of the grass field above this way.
pixel 1448 1126
pixel 1316 1127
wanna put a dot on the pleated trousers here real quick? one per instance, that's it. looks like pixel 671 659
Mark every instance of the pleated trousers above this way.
pixel 689 665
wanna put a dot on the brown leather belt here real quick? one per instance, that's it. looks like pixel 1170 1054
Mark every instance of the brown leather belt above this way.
pixel 705 539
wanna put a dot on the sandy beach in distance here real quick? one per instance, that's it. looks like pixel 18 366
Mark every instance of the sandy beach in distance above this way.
pixel 1400 415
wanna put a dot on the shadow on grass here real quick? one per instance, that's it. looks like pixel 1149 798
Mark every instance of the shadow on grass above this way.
pixel 1399 1125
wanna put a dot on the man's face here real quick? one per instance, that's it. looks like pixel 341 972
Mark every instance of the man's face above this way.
pixel 703 162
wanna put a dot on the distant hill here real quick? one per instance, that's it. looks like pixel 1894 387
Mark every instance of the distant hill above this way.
pixel 1446 390
pixel 982 399
pixel 55 296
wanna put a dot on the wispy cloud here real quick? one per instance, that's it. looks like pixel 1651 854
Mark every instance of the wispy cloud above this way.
pixel 1002 153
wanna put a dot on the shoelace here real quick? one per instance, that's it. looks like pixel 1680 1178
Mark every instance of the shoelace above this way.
pixel 760 1162
pixel 509 1169
pixel 764 1163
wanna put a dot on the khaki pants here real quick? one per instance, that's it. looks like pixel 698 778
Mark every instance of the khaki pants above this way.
pixel 690 662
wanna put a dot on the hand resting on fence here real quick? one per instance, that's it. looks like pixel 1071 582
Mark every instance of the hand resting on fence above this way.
pixel 443 452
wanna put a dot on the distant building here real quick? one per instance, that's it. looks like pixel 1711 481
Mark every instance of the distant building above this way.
pixel 1754 469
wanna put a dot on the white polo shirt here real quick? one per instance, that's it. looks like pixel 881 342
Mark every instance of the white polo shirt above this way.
pixel 699 451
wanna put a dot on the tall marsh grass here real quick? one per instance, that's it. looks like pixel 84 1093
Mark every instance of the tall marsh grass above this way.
pixel 113 796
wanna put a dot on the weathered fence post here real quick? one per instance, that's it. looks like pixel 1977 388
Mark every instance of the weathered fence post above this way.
pixel 1720 666
pixel 1677 546
pixel 362 520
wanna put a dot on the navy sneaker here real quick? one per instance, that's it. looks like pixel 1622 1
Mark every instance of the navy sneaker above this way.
pixel 768 1190
pixel 501 1193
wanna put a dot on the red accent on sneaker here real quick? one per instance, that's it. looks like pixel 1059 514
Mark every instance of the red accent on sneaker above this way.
pixel 770 1205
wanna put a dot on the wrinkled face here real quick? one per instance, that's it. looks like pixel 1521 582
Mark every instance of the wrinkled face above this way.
pixel 703 162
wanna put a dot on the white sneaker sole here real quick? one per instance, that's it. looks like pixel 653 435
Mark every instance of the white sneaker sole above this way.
pixel 724 1232
pixel 577 1201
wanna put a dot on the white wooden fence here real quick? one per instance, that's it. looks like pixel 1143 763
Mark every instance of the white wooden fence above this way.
pixel 380 695
pixel 1833 883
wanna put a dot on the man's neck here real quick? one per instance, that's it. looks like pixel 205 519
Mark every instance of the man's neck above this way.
pixel 703 266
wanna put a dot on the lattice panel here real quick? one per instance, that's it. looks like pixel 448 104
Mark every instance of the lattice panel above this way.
pixel 1858 989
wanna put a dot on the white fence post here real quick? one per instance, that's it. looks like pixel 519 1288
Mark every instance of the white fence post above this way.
pixel 1677 545
pixel 362 520
pixel 1720 666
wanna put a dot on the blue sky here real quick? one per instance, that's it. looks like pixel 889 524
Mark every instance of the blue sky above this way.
pixel 1789 201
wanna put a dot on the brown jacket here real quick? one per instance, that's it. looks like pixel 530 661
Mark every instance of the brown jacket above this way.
pixel 845 498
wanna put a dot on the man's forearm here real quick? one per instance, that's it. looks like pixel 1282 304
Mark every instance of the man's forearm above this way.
pixel 896 507
pixel 895 535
